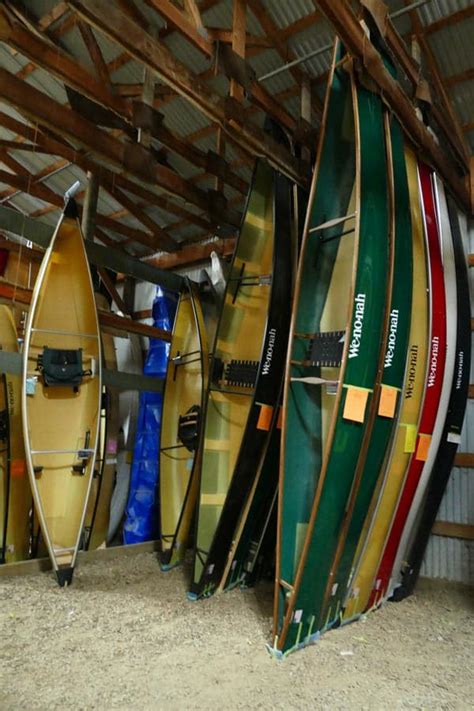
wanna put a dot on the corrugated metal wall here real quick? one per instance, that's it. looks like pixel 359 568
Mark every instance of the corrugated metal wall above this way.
pixel 453 558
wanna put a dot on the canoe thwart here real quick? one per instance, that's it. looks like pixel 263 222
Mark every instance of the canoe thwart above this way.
pixel 332 223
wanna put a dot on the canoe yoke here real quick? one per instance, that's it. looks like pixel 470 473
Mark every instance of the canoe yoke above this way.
pixel 251 280
pixel 324 349
pixel 62 368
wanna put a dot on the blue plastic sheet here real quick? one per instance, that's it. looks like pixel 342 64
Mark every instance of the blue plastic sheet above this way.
pixel 142 513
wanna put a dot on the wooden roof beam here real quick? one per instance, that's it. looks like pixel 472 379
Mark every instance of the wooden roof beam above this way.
pixel 182 24
pixel 57 12
pixel 109 179
pixel 450 122
pixel 152 53
pixel 467 75
pixel 127 156
pixel 273 33
pixel 78 78
pixel 413 72
pixel 350 31
pixel 95 53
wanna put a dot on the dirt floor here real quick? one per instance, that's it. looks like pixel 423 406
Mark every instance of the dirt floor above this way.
pixel 124 636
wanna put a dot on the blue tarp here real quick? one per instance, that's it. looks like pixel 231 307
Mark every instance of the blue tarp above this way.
pixel 142 514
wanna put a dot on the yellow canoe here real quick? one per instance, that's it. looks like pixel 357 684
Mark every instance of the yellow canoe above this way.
pixel 61 392
pixel 181 443
pixel 15 492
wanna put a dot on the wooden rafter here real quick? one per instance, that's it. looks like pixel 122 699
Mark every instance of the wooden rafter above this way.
pixel 56 13
pixel 125 32
pixel 78 78
pixel 452 124
pixel 347 26
pixel 117 28
pixel 467 75
pixel 272 31
pixel 95 53
pixel 129 157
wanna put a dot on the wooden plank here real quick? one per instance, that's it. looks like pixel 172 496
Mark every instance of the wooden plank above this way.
pixel 154 54
pixel 470 260
pixel 453 530
pixel 239 28
pixel 464 459
pixel 180 22
pixel 111 320
pixel 57 12
pixel 193 254
pixel 352 34
pixel 471 391
pixel 95 53
pixel 112 291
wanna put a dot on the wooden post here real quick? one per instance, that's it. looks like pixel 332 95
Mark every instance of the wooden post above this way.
pixel 239 28
pixel 89 210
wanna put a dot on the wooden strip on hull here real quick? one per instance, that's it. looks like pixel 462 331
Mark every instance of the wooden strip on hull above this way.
pixel 392 376
pixel 15 492
pixel 303 614
pixel 447 255
pixel 381 511
pixel 454 421
pixel 58 420
pixel 436 363
pixel 184 388
pixel 241 336
pixel 96 524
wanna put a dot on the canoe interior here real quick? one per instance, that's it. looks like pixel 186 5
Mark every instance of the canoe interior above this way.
pixel 97 519
pixel 184 387
pixel 15 492
pixel 62 316
pixel 239 338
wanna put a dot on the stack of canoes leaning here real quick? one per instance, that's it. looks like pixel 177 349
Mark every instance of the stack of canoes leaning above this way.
pixel 313 436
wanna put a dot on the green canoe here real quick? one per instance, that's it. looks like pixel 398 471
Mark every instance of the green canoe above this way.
pixel 387 404
pixel 341 299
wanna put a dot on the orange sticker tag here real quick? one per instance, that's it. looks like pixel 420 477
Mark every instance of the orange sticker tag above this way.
pixel 423 448
pixel 356 401
pixel 280 419
pixel 388 401
pixel 265 417
pixel 17 468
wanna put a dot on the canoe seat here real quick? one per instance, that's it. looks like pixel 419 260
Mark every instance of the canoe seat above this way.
pixel 188 428
pixel 62 368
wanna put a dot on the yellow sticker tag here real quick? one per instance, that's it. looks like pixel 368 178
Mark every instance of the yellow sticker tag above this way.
pixel 356 401
pixel 388 401
pixel 410 439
